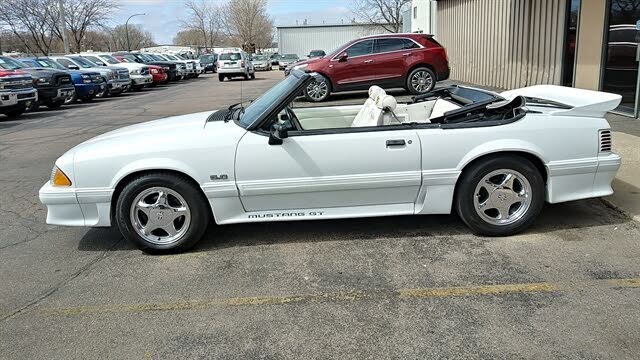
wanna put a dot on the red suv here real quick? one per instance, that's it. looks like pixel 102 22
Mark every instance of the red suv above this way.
pixel 411 61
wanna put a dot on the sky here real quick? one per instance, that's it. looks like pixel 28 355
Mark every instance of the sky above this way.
pixel 162 17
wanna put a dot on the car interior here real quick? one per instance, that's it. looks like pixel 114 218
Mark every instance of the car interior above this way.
pixel 443 106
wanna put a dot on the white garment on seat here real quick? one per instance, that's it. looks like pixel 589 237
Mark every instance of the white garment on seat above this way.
pixel 440 107
pixel 371 112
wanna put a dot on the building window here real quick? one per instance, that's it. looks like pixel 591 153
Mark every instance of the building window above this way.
pixel 415 12
pixel 573 9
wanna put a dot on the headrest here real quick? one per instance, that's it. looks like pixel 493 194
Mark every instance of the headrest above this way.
pixel 375 91
pixel 387 102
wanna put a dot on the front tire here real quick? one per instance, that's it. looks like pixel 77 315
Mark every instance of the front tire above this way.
pixel 318 90
pixel 421 80
pixel 163 212
pixel 16 112
pixel 55 104
pixel 500 196
pixel 220 77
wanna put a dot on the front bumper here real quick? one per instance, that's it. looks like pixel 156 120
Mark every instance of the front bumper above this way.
pixel 159 78
pixel 232 70
pixel 83 90
pixel 262 66
pixel 141 80
pixel 69 206
pixel 116 86
pixel 13 97
pixel 55 93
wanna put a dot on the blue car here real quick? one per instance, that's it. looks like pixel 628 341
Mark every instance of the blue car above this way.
pixel 87 83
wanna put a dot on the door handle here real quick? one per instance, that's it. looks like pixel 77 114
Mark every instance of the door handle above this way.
pixel 395 143
pixel 406 54
pixel 368 61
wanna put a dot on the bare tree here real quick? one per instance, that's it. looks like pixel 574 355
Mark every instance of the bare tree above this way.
pixel 84 15
pixel 204 17
pixel 138 37
pixel 248 23
pixel 387 13
pixel 188 37
pixel 30 21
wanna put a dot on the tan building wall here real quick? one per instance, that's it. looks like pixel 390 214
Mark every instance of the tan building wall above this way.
pixel 589 44
pixel 503 43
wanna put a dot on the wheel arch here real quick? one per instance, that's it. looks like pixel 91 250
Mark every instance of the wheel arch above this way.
pixel 533 157
pixel 419 65
pixel 126 179
pixel 324 74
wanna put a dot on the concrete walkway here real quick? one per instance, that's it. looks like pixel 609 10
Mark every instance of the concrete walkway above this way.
pixel 626 142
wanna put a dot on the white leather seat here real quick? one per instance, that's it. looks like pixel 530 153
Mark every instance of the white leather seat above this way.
pixel 372 110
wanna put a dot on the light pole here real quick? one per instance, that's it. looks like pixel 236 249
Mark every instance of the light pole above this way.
pixel 126 29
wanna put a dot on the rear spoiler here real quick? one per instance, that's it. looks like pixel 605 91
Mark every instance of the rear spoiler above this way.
pixel 569 101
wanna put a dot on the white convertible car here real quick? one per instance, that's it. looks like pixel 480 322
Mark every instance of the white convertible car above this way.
pixel 493 158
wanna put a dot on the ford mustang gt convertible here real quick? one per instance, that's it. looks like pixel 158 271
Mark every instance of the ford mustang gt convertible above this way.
pixel 495 159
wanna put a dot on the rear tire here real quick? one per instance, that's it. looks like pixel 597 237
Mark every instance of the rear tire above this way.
pixel 421 80
pixel 493 204
pixel 189 224
pixel 220 77
pixel 253 76
pixel 317 91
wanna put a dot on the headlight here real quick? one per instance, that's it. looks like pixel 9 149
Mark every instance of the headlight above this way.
pixel 154 71
pixel 86 79
pixel 59 178
pixel 42 81
pixel 300 66
pixel 135 72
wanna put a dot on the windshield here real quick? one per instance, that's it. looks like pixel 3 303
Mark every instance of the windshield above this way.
pixel 84 63
pixel 156 57
pixel 10 64
pixel 260 57
pixel 128 58
pixel 110 59
pixel 170 57
pixel 180 57
pixel 290 56
pixel 230 56
pixel 48 63
pixel 261 104
pixel 206 58
pixel 145 57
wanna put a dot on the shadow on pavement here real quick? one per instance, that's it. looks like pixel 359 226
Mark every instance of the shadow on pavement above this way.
pixel 575 215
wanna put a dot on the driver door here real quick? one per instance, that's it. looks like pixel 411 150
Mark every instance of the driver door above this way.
pixel 330 169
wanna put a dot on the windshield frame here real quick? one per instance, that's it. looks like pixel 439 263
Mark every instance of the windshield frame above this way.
pixel 273 100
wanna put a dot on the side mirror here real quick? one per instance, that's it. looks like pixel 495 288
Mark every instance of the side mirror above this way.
pixel 278 133
pixel 73 67
pixel 101 63
pixel 343 56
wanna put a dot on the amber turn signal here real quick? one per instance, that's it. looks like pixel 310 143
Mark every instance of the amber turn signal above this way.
pixel 59 178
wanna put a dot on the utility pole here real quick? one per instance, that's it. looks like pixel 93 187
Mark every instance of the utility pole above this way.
pixel 63 27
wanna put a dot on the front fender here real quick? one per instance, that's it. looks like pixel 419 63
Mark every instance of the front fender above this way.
pixel 153 164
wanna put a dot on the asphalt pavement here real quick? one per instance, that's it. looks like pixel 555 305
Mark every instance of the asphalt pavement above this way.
pixel 386 288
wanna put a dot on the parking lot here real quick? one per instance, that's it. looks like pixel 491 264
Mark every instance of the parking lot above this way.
pixel 398 287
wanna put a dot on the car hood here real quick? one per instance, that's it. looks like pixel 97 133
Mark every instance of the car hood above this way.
pixel 161 127
pixel 309 61
pixel 43 72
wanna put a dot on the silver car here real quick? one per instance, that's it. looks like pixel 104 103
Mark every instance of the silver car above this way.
pixel 286 60
pixel 261 62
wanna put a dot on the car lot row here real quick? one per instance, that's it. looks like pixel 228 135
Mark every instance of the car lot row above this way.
pixel 28 83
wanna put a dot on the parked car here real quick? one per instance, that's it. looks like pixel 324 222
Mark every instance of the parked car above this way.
pixel 54 86
pixel 286 60
pixel 159 75
pixel 411 61
pixel 16 92
pixel 261 62
pixel 87 83
pixel 181 66
pixel 316 54
pixel 495 159
pixel 138 73
pixel 169 67
pixel 190 65
pixel 116 77
pixel 274 59
pixel 208 62
pixel 235 62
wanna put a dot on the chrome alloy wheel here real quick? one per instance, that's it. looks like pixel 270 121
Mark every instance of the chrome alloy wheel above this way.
pixel 160 215
pixel 502 197
pixel 317 90
pixel 421 81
